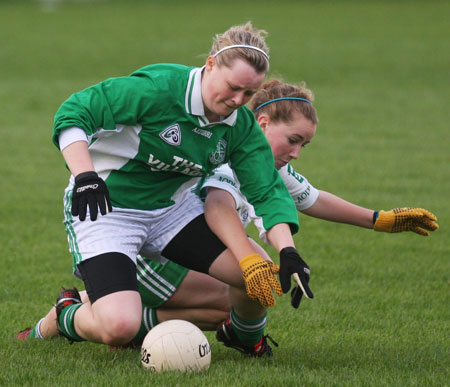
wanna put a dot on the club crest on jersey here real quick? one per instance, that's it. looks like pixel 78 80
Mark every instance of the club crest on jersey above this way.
pixel 218 156
pixel 172 135
pixel 244 215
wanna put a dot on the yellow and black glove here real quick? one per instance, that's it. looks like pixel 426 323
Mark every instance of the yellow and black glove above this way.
pixel 260 280
pixel 413 219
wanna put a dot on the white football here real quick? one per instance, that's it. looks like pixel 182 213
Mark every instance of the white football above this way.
pixel 176 345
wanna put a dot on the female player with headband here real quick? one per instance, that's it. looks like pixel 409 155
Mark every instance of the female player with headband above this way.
pixel 202 300
pixel 287 117
pixel 135 146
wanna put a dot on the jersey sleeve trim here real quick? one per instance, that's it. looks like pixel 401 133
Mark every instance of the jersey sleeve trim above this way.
pixel 301 190
pixel 224 179
pixel 70 135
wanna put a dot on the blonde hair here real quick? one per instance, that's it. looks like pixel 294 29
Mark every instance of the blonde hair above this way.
pixel 246 35
pixel 282 110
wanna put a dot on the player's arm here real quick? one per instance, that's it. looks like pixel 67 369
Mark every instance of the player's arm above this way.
pixel 224 221
pixel 89 190
pixel 221 215
pixel 258 274
pixel 333 208
pixel 325 205
pixel 291 264
pixel 99 106
pixel 77 157
pixel 321 204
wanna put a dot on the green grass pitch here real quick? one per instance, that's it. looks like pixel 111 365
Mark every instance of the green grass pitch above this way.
pixel 380 73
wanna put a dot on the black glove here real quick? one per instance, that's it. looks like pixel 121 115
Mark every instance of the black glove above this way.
pixel 296 297
pixel 90 190
pixel 292 264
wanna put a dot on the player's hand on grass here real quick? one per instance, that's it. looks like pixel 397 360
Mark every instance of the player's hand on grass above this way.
pixel 291 264
pixel 90 190
pixel 260 280
pixel 413 219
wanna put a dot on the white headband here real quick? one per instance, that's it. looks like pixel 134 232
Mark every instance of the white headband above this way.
pixel 243 46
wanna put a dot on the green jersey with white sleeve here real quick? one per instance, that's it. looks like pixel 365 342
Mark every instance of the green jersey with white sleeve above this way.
pixel 149 139
pixel 303 193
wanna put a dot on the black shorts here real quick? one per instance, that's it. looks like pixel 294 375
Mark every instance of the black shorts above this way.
pixel 106 274
pixel 195 246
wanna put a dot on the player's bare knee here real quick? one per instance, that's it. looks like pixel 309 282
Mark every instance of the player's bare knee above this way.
pixel 120 330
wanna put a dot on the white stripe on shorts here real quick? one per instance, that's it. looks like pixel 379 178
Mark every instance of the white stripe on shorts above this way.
pixel 147 281
pixel 147 273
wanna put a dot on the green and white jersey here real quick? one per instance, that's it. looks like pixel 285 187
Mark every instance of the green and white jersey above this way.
pixel 303 193
pixel 150 139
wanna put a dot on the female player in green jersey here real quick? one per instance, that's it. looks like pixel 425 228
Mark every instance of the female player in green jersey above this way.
pixel 135 146
pixel 289 122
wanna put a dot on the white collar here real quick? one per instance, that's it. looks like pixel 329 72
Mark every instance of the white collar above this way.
pixel 194 102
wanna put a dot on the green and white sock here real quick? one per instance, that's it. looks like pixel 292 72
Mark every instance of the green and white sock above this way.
pixel 149 320
pixel 248 331
pixel 66 319
pixel 36 331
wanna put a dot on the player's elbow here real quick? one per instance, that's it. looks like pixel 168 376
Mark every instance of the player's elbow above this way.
pixel 217 202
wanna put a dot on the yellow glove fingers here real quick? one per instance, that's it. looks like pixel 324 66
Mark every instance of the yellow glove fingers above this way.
pixel 265 298
pixel 406 219
pixel 414 219
pixel 269 300
pixel 427 224
pixel 253 293
pixel 406 213
pixel 427 214
pixel 274 268
pixel 275 285
pixel 260 282
pixel 420 231
pixel 263 288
